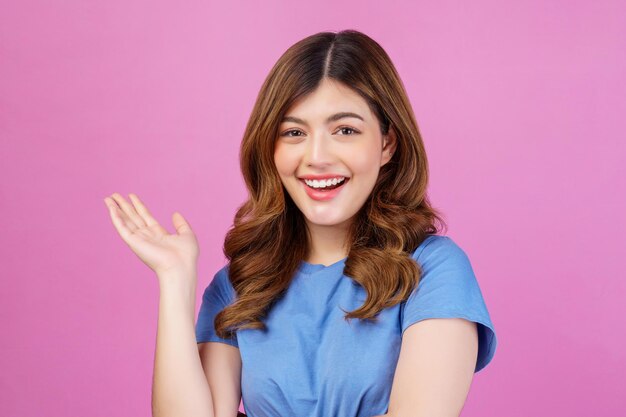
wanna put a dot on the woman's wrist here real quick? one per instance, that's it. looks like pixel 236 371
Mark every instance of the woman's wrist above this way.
pixel 178 279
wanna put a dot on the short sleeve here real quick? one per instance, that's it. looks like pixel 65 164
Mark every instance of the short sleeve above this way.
pixel 217 295
pixel 448 289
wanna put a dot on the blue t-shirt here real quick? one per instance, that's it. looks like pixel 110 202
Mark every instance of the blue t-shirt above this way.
pixel 312 362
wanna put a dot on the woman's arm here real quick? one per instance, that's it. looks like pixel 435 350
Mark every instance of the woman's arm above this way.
pixel 222 366
pixel 435 368
pixel 179 386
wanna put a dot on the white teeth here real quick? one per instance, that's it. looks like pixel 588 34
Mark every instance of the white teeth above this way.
pixel 324 183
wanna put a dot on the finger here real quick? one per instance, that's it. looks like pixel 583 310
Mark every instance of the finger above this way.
pixel 181 225
pixel 118 221
pixel 123 217
pixel 129 210
pixel 142 210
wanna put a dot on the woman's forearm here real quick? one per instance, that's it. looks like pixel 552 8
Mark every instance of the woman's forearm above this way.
pixel 179 385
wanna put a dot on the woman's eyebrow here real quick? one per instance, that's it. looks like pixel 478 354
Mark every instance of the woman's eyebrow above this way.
pixel 331 118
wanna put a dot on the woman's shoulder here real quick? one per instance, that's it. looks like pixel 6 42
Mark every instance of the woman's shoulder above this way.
pixel 437 246
pixel 221 283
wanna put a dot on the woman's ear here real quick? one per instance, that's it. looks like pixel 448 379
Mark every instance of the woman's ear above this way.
pixel 390 142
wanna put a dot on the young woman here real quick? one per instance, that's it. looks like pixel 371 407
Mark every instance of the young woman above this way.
pixel 340 298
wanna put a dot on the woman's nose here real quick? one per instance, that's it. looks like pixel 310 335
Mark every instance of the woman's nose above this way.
pixel 318 150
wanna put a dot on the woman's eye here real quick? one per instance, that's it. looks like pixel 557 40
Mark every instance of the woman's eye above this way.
pixel 344 129
pixel 288 133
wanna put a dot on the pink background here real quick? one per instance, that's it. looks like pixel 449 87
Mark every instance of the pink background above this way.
pixel 521 105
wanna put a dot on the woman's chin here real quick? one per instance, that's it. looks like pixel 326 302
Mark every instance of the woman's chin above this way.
pixel 325 220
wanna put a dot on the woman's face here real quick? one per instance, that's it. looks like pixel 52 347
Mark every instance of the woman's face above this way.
pixel 331 135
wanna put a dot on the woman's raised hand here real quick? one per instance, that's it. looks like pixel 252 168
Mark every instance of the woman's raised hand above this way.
pixel 154 245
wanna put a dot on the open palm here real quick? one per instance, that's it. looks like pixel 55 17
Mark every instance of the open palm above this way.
pixel 151 242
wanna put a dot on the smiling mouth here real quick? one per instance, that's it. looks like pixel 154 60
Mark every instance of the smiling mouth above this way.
pixel 327 188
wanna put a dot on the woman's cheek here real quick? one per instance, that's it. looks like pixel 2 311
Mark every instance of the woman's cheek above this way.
pixel 363 159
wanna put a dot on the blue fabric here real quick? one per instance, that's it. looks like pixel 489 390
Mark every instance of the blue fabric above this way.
pixel 311 362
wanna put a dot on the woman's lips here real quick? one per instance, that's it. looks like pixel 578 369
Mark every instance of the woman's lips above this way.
pixel 323 195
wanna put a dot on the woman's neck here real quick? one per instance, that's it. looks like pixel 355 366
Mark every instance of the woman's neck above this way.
pixel 327 244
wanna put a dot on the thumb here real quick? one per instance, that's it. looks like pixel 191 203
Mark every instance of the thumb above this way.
pixel 181 225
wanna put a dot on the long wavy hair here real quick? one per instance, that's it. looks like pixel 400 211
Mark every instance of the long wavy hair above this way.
pixel 268 238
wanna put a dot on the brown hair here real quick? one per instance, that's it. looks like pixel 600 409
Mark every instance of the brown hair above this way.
pixel 269 239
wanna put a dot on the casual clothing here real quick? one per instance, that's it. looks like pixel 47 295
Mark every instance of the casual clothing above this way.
pixel 312 362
